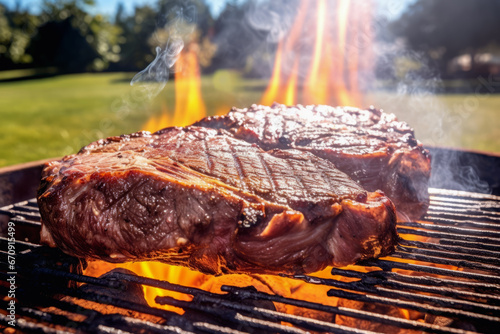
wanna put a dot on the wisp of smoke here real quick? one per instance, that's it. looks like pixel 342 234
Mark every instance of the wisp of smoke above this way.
pixel 273 17
pixel 178 23
pixel 154 77
pixel 417 95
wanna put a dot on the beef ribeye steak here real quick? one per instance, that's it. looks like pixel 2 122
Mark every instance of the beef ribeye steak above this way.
pixel 372 147
pixel 197 197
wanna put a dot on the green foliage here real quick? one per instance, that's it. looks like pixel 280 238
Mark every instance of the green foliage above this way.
pixel 101 35
pixel 447 28
pixel 16 27
pixel 65 35
pixel 136 53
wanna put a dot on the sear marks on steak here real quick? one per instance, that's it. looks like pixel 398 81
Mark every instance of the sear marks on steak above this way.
pixel 197 197
pixel 372 147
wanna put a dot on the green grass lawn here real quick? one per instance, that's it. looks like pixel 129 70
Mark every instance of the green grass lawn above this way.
pixel 56 116
pixel 463 121
pixel 51 117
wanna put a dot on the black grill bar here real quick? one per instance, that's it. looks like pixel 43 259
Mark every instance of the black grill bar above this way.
pixel 471 254
pixel 467 223
pixel 360 314
pixel 414 306
pixel 469 244
pixel 453 236
pixel 265 313
pixel 389 265
pixel 461 230
pixel 426 284
pixel 201 305
pixel 454 194
pixel 450 306
pixel 454 230
pixel 408 254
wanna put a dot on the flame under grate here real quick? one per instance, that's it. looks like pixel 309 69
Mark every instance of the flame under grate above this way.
pixel 446 267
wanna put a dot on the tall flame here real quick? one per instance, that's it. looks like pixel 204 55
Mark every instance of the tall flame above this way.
pixel 334 57
pixel 189 105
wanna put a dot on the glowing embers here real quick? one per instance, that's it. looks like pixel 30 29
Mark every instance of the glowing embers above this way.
pixel 276 285
pixel 324 56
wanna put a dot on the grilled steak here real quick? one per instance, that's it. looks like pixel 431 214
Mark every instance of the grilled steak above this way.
pixel 197 197
pixel 370 146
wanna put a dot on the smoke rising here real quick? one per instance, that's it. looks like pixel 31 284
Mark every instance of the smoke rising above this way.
pixel 155 76
pixel 176 26
pixel 418 96
pixel 275 18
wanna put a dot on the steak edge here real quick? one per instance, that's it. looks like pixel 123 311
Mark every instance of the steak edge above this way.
pixel 199 198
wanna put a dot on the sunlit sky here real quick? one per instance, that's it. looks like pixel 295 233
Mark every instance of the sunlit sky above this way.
pixel 108 7
pixel 391 8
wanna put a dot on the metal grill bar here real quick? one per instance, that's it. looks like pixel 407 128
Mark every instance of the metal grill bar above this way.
pixel 454 230
pixel 389 320
pixel 468 244
pixel 269 314
pixel 408 254
pixel 453 236
pixel 378 277
pixel 485 256
pixel 440 291
pixel 389 265
pixel 452 194
pixel 461 230
pixel 471 223
pixel 453 306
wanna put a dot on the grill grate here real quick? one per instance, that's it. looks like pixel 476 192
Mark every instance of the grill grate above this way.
pixel 446 268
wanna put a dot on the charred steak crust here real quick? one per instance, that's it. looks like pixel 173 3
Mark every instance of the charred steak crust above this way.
pixel 372 147
pixel 197 197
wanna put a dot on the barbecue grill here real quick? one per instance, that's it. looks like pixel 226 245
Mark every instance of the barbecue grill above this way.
pixel 446 269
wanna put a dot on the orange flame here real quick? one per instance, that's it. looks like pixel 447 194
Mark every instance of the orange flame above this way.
pixel 336 59
pixel 189 105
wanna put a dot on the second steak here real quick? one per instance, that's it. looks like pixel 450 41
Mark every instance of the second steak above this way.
pixel 372 147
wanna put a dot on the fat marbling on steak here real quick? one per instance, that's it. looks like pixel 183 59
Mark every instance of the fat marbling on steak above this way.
pixel 197 197
pixel 371 146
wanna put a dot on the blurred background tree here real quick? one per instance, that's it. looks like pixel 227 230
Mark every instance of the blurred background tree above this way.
pixel 460 37
pixel 136 30
pixel 72 40
pixel 16 28
pixel 66 36
pixel 445 30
